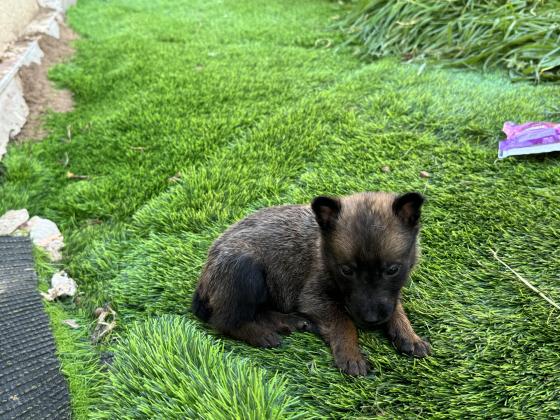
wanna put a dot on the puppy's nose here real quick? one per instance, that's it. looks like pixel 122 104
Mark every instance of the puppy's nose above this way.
pixel 379 313
pixel 385 310
pixel 371 317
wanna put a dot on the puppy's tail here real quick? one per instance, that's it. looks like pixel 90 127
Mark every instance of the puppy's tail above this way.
pixel 200 306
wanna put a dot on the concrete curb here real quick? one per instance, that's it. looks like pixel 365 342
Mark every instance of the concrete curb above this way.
pixel 13 109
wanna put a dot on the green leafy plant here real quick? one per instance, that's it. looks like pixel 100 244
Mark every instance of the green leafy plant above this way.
pixel 521 36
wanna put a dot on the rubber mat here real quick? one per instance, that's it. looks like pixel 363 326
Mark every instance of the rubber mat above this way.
pixel 31 384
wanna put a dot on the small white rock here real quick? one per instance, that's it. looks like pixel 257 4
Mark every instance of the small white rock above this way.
pixel 45 234
pixel 62 285
pixel 11 220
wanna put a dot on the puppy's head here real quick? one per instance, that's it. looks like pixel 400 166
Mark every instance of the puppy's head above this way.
pixel 369 243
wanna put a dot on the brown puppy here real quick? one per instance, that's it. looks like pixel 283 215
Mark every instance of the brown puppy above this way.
pixel 323 268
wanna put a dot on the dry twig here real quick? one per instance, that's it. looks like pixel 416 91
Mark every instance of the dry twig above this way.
pixel 525 282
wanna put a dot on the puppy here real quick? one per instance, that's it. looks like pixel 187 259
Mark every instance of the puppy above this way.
pixel 327 268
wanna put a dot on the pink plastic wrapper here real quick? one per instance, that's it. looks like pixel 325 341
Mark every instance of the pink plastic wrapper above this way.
pixel 529 138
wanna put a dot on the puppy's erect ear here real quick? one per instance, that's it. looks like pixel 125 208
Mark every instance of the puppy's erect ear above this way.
pixel 326 211
pixel 407 208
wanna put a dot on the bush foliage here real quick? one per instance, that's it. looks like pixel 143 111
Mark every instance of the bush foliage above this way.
pixel 520 36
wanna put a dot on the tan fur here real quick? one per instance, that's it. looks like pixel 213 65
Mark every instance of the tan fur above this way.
pixel 403 336
pixel 382 223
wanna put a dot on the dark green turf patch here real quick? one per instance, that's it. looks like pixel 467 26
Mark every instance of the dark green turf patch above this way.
pixel 193 114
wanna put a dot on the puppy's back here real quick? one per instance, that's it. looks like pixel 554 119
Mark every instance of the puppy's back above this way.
pixel 281 241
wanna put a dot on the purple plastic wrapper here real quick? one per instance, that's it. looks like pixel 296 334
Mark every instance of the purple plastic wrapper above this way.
pixel 529 138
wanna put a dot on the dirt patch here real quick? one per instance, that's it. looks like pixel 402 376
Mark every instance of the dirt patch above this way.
pixel 40 93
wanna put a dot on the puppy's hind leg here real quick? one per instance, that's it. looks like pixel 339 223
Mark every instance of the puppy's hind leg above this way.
pixel 238 301
pixel 257 334
pixel 287 323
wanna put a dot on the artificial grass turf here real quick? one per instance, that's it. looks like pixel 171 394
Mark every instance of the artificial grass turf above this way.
pixel 79 359
pixel 166 369
pixel 240 100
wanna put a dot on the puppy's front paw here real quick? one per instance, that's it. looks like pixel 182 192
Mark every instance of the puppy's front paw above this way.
pixel 354 365
pixel 415 347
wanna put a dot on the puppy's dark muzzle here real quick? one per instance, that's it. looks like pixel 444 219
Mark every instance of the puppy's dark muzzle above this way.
pixel 372 319
pixel 368 325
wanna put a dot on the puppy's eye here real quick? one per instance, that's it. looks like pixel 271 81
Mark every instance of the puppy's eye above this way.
pixel 346 270
pixel 392 270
